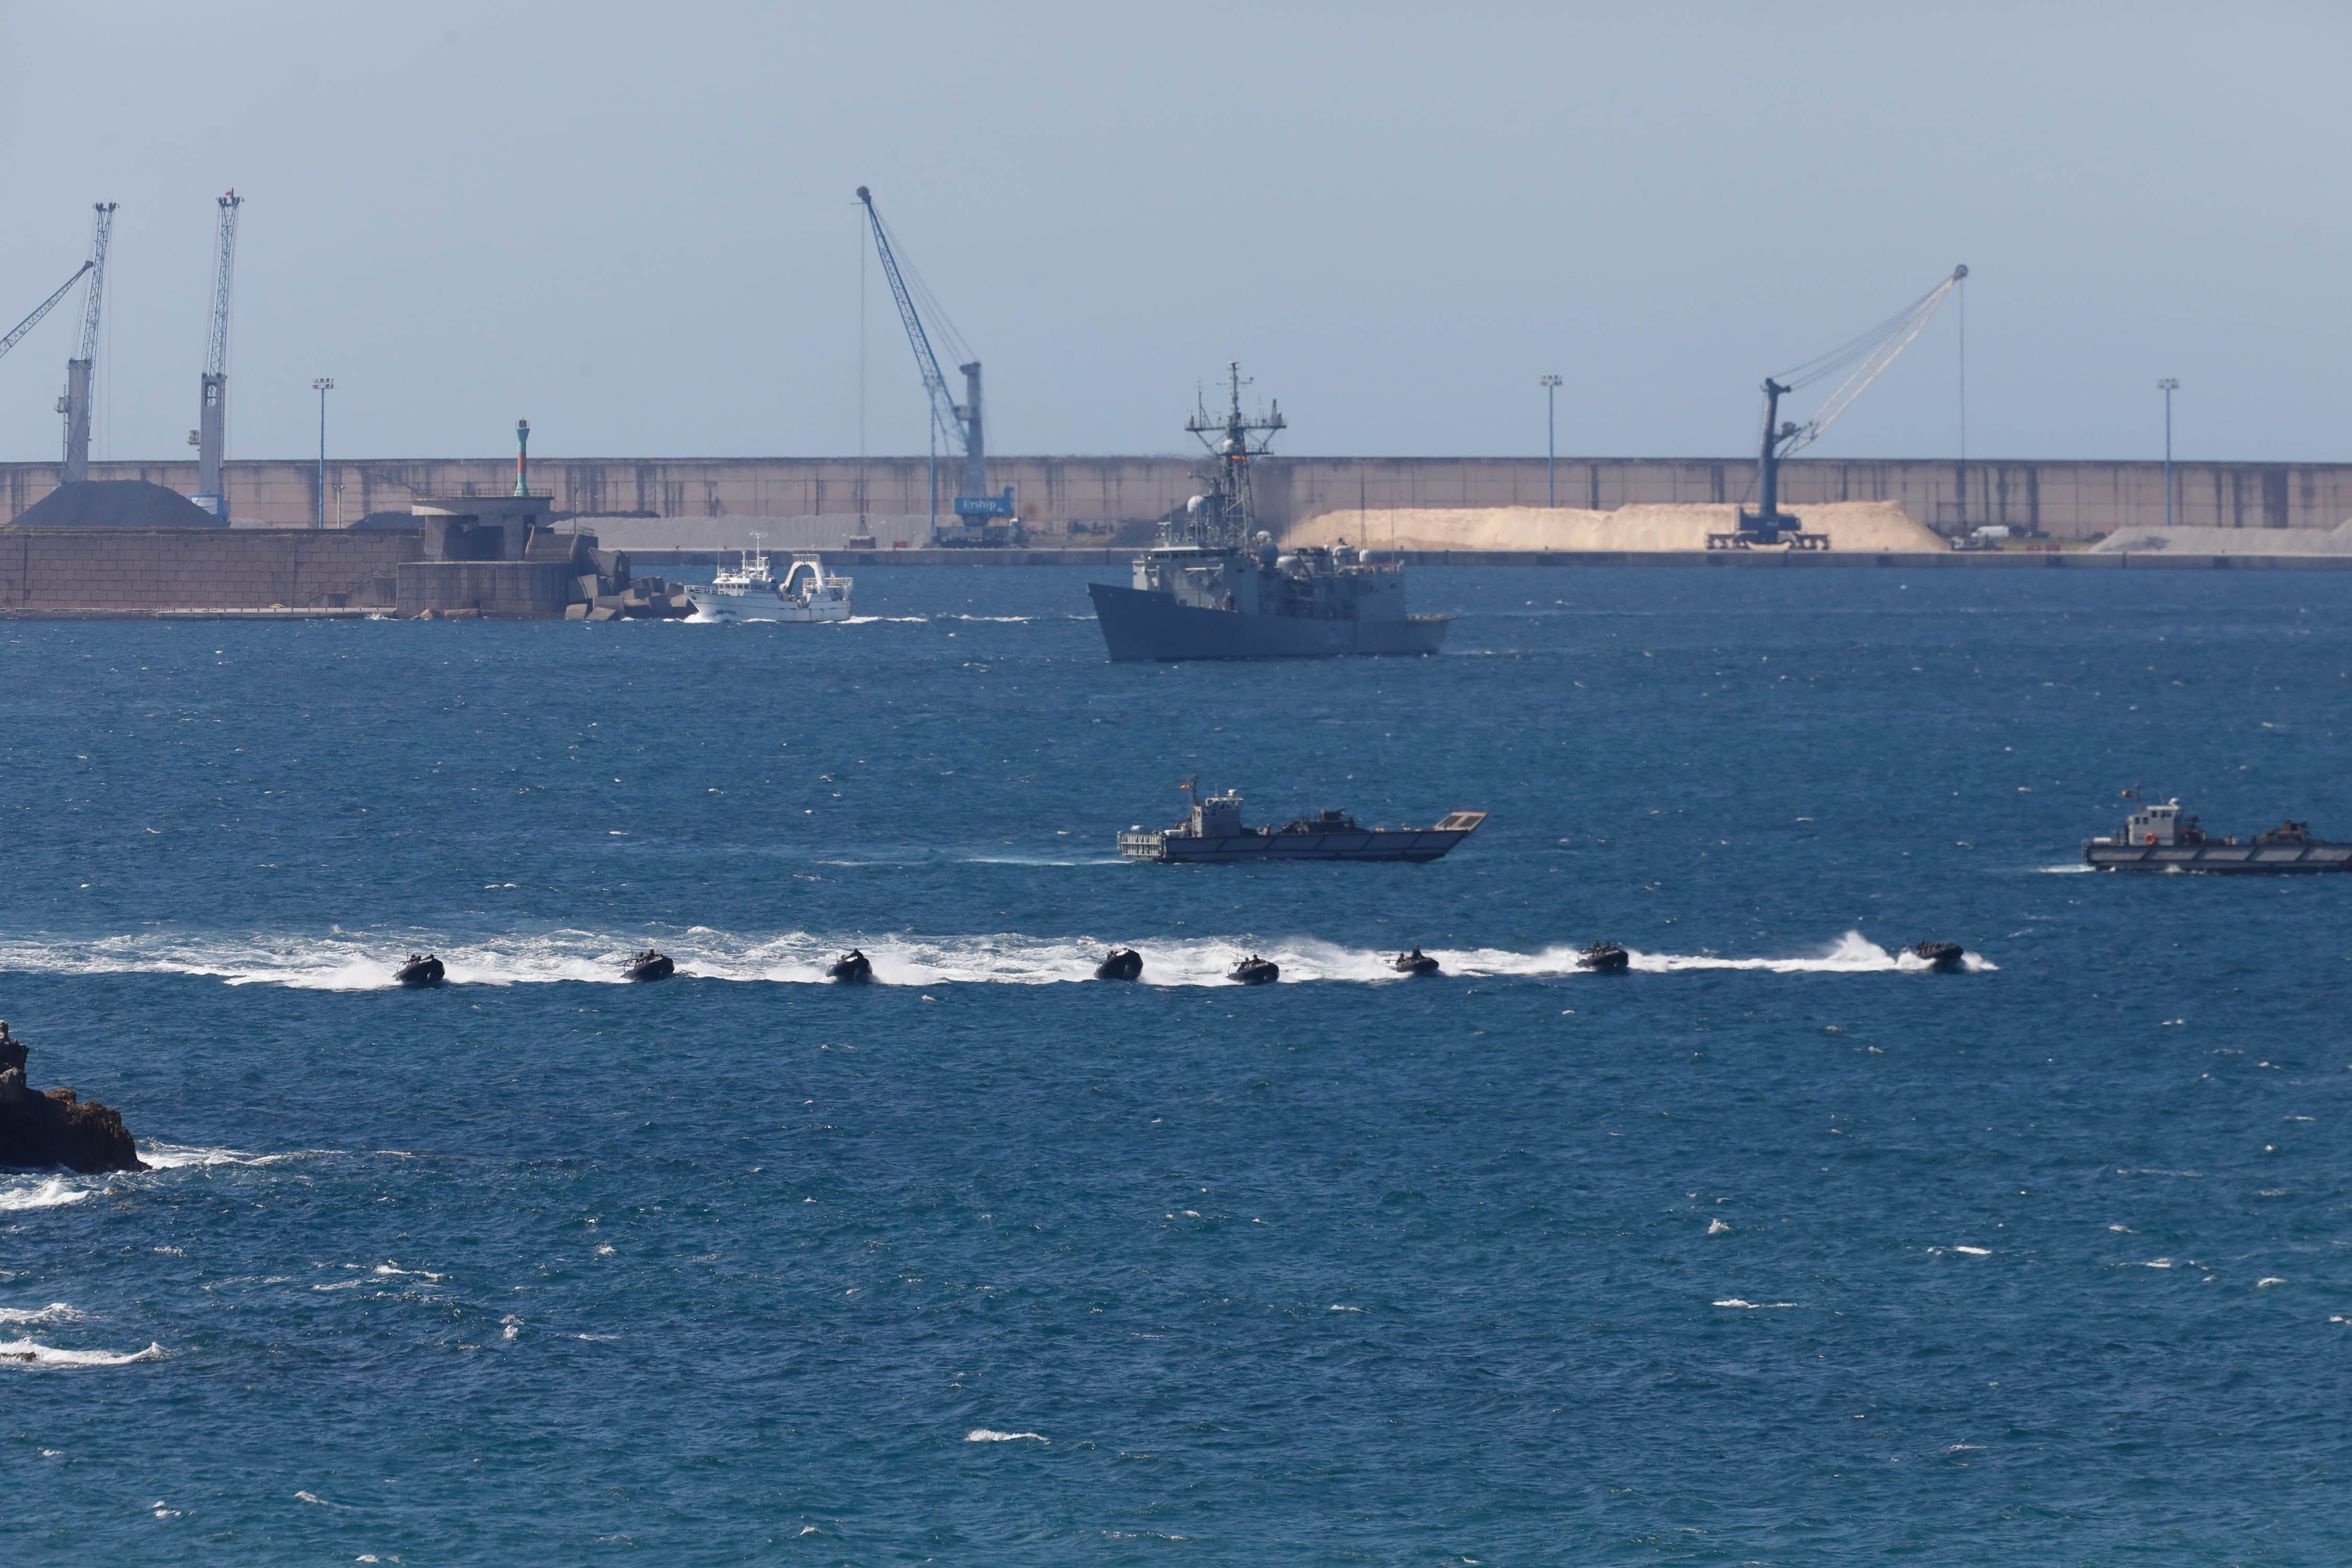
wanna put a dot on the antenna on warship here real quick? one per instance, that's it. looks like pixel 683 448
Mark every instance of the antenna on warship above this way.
pixel 1228 515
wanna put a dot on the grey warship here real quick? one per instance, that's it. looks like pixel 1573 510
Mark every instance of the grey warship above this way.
pixel 2159 839
pixel 1215 586
pixel 1211 833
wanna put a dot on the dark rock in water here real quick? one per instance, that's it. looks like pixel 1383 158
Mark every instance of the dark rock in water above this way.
pixel 115 504
pixel 58 1128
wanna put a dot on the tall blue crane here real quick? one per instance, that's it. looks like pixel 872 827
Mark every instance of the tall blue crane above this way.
pixel 81 372
pixel 958 422
pixel 1865 359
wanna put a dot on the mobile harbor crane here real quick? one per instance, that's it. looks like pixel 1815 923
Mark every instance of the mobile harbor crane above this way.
pixel 1868 356
pixel 981 519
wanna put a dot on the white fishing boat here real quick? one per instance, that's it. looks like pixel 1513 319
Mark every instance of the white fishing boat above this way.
pixel 749 591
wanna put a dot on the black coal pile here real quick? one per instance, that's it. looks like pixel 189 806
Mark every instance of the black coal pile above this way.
pixel 115 504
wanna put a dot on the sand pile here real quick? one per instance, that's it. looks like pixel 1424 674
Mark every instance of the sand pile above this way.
pixel 2337 540
pixel 115 504
pixel 1851 525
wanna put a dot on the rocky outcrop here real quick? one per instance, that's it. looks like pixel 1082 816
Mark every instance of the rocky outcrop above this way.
pixel 57 1127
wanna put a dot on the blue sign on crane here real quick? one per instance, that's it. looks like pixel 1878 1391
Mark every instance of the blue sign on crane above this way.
pixel 985 506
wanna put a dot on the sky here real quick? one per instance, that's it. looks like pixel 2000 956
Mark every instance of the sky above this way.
pixel 635 225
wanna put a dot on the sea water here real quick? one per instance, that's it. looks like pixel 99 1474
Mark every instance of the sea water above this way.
pixel 1778 1249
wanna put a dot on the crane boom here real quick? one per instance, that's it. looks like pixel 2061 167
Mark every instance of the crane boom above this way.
pixel 216 357
pixel 81 372
pixel 101 231
pixel 43 309
pixel 944 412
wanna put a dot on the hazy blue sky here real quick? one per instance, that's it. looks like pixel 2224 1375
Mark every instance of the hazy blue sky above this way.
pixel 634 224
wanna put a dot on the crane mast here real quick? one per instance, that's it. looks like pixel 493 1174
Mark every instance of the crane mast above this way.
pixel 212 413
pixel 959 422
pixel 81 372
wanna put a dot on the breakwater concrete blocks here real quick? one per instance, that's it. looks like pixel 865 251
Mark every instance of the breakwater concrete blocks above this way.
pixel 497 590
pixel 150 571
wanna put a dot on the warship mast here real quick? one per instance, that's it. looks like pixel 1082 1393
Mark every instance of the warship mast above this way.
pixel 1228 516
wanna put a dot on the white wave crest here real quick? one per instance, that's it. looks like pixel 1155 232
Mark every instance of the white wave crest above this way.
pixel 1754 1306
pixel 55 1193
pixel 55 1312
pixel 31 1352
pixel 178 1156
pixel 982 1434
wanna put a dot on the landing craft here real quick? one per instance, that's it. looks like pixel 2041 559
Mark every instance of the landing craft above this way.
pixel 1211 831
pixel 2159 839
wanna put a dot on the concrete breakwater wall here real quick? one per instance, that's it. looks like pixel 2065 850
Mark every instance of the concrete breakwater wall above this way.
pixel 1093 498
pixel 146 569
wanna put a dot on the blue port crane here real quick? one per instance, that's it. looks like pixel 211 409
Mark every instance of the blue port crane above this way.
pixel 1865 359
pixel 958 422
pixel 43 309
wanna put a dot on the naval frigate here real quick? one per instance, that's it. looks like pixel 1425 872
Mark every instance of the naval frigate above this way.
pixel 1216 586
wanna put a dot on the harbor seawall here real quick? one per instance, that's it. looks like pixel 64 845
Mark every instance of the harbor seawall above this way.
pixel 1087 498
pixel 143 570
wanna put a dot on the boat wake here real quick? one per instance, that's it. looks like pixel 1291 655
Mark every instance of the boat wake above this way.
pixel 32 1352
pixel 356 962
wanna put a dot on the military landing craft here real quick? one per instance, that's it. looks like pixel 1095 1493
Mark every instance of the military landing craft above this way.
pixel 1217 587
pixel 1211 831
pixel 2159 839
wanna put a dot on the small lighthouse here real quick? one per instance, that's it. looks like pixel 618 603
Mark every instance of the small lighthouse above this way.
pixel 522 458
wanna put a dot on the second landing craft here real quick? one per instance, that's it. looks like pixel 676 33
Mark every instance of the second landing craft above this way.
pixel 2159 839
pixel 1217 587
pixel 1211 831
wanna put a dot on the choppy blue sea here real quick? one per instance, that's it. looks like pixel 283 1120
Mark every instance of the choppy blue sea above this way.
pixel 1777 1250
